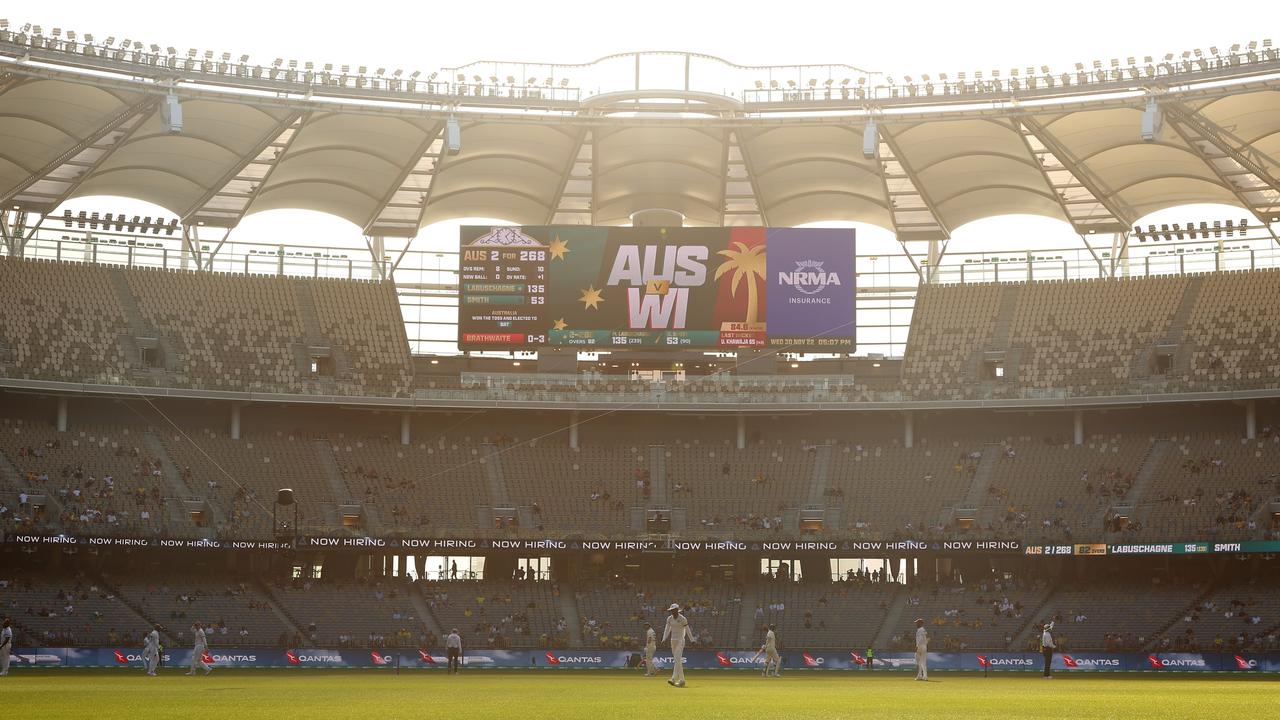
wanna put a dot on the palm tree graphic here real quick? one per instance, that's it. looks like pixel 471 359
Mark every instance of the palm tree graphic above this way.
pixel 747 264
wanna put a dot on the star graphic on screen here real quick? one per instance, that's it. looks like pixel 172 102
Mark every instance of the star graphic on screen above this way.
pixel 561 324
pixel 591 298
pixel 558 249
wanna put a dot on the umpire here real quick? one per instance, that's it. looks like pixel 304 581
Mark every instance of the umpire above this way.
pixel 1046 648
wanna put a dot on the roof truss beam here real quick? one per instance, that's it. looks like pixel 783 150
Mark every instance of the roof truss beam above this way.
pixel 572 172
pixel 264 142
pixel 1245 154
pixel 116 130
pixel 1081 172
pixel 1042 158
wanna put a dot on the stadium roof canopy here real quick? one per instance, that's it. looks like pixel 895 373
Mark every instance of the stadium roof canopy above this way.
pixel 794 145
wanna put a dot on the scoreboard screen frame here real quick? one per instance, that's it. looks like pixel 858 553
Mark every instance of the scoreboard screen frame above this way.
pixel 604 288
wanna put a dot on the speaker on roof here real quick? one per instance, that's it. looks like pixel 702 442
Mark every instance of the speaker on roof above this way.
pixel 452 137
pixel 870 140
pixel 1152 122
pixel 171 114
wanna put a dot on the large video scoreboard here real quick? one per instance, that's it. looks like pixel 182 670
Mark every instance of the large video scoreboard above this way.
pixel 593 287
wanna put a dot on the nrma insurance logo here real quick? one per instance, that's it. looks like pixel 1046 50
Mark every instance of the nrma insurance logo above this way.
pixel 809 277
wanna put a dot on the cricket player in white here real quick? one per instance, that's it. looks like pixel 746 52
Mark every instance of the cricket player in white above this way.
pixel 650 645
pixel 678 631
pixel 922 651
pixel 6 647
pixel 151 650
pixel 198 650
pixel 770 650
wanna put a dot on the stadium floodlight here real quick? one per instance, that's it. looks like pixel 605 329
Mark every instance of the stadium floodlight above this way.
pixel 56 32
pixel 398 72
pixel 244 59
pixel 363 70
pixel 226 57
pixel 381 71
pixel 773 84
pixel 564 82
pixel 4 23
pixel 844 82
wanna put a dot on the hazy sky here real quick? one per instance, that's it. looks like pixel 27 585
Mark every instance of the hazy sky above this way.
pixel 907 38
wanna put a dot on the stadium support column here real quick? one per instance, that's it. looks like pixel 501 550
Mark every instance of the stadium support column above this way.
pixel 1078 425
pixel 1251 419
pixel 405 438
pixel 573 430
pixel 908 430
pixel 62 413
pixel 742 431
pixel 235 421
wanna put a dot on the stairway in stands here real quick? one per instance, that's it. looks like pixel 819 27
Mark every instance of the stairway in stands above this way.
pixel 179 494
pixel 1178 325
pixel 428 617
pixel 341 492
pixel 981 482
pixel 747 630
pixel 494 477
pixel 821 478
pixel 277 607
pixel 658 497
pixel 567 603
pixel 892 619
pixel 1156 455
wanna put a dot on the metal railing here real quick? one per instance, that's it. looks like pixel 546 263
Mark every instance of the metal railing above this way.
pixel 546 84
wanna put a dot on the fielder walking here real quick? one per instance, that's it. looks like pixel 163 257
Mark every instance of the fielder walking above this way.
pixel 771 657
pixel 151 650
pixel 198 650
pixel 650 646
pixel 677 630
pixel 6 646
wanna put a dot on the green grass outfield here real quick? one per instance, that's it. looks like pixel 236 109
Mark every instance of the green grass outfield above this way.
pixel 601 695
